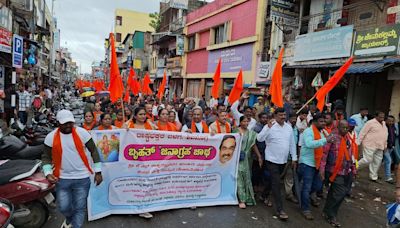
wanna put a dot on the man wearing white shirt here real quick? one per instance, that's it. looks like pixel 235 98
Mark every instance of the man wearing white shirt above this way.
pixel 248 112
pixel 280 142
pixel 198 125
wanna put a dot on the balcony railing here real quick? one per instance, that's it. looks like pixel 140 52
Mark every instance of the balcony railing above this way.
pixel 174 25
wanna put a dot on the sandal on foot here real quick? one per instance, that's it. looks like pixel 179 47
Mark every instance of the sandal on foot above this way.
pixel 242 205
pixel 308 215
pixel 283 216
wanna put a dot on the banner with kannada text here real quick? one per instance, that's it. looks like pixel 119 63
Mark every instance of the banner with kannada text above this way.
pixel 145 171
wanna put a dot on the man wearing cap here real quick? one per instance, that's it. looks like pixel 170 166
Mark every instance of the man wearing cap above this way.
pixel 65 163
pixel 260 106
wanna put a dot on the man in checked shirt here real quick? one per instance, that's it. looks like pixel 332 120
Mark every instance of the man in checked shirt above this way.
pixel 24 103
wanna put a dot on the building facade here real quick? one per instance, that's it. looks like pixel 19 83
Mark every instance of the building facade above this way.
pixel 127 21
pixel 168 44
pixel 328 33
pixel 232 30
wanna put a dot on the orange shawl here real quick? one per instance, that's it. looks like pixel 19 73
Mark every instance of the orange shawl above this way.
pixel 318 152
pixel 150 117
pixel 57 151
pixel 102 128
pixel 147 125
pixel 167 127
pixel 118 123
pixel 343 152
pixel 89 127
pixel 354 145
pixel 227 127
pixel 205 127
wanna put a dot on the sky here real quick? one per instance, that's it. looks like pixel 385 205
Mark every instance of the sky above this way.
pixel 84 24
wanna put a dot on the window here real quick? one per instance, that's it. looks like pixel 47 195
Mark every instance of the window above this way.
pixel 118 38
pixel 191 43
pixel 118 20
pixel 221 33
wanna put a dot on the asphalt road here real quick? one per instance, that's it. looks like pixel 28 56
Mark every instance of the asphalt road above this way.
pixel 366 210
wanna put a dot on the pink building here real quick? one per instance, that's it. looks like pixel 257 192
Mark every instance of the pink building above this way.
pixel 227 29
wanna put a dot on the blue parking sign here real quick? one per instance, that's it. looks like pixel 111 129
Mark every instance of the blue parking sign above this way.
pixel 18 47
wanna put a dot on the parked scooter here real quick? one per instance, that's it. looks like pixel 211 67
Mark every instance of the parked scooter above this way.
pixel 11 147
pixel 28 189
pixel 6 213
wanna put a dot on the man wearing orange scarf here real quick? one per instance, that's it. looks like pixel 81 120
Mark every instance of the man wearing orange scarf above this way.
pixel 221 126
pixel 66 164
pixel 198 125
pixel 338 167
pixel 310 156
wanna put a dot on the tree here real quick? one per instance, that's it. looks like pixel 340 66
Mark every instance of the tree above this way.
pixel 155 21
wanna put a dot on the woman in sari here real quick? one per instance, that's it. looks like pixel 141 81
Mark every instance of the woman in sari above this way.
pixel 172 119
pixel 105 122
pixel 119 122
pixel 97 112
pixel 245 187
pixel 163 124
pixel 139 121
pixel 89 122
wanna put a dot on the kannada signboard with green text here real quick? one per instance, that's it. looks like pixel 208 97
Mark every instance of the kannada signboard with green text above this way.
pixel 383 41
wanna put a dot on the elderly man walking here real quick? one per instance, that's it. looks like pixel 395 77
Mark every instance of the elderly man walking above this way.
pixel 373 139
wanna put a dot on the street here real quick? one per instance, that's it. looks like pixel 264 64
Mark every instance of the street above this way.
pixel 366 210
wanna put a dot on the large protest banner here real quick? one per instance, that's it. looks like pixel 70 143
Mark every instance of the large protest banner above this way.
pixel 145 171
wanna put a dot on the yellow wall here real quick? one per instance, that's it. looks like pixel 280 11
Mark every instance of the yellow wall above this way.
pixel 131 21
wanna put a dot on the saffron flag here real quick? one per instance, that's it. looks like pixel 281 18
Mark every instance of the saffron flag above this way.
pixel 127 95
pixel 331 83
pixel 161 90
pixel 146 90
pixel 116 86
pixel 275 89
pixel 237 88
pixel 216 78
pixel 132 82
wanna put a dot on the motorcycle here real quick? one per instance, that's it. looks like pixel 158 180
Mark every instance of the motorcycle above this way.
pixel 6 213
pixel 11 147
pixel 28 189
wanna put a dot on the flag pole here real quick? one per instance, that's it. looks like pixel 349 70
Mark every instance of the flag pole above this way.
pixel 312 98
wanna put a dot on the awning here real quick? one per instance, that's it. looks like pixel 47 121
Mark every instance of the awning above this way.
pixel 362 68
pixel 315 66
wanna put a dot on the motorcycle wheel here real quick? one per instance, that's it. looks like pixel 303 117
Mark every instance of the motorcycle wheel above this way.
pixel 38 216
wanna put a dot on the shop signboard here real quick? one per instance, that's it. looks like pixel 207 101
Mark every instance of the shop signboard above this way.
pixel 179 45
pixel 179 4
pixel 263 69
pixel 233 58
pixel 381 41
pixel 5 40
pixel 328 44
pixel 18 48
pixel 283 12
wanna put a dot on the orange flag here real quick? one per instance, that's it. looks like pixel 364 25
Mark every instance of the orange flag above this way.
pixel 331 83
pixel 161 90
pixel 237 88
pixel 133 83
pixel 275 89
pixel 146 90
pixel 116 86
pixel 217 81
pixel 127 96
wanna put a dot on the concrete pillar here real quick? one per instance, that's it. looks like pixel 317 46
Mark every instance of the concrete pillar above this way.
pixel 184 89
pixel 202 89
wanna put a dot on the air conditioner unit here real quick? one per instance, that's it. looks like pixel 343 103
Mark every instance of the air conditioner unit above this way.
pixel 26 5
